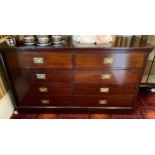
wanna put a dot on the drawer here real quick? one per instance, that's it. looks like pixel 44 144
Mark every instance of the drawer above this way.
pixel 115 60
pixel 27 59
pixel 50 89
pixel 107 77
pixel 104 90
pixel 107 101
pixel 46 101
pixel 47 75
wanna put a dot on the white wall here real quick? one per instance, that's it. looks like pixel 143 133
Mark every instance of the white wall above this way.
pixel 6 107
pixel 151 40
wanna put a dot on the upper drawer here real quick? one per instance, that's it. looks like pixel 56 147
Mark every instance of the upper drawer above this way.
pixel 52 60
pixel 115 60
pixel 107 76
pixel 46 75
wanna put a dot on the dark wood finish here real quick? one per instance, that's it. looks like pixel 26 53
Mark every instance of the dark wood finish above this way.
pixel 50 89
pixel 120 60
pixel 119 77
pixel 52 60
pixel 74 77
pixel 50 75
pixel 112 101
pixel 53 101
pixel 23 88
pixel 73 110
pixel 97 90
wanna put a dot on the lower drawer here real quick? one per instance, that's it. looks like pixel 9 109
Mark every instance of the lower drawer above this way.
pixel 50 89
pixel 104 90
pixel 108 101
pixel 47 101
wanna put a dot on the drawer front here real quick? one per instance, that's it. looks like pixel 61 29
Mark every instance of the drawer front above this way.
pixel 115 60
pixel 104 90
pixel 50 89
pixel 107 77
pixel 46 101
pixel 47 75
pixel 52 60
pixel 110 101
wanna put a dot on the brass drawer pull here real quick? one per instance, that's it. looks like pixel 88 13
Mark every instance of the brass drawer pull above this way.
pixel 103 102
pixel 45 101
pixel 38 60
pixel 41 76
pixel 108 60
pixel 104 90
pixel 106 76
pixel 43 89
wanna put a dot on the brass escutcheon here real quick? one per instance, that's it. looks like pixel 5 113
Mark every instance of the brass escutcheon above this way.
pixel 102 101
pixel 106 76
pixel 41 76
pixel 104 90
pixel 108 60
pixel 43 89
pixel 45 101
pixel 38 60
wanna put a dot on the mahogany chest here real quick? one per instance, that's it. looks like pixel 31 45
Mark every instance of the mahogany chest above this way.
pixel 74 79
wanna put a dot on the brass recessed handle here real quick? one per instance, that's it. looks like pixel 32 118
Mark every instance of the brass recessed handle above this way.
pixel 104 90
pixel 106 76
pixel 103 102
pixel 45 101
pixel 108 60
pixel 43 89
pixel 41 76
pixel 38 60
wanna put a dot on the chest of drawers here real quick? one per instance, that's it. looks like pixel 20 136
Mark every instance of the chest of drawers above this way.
pixel 73 79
